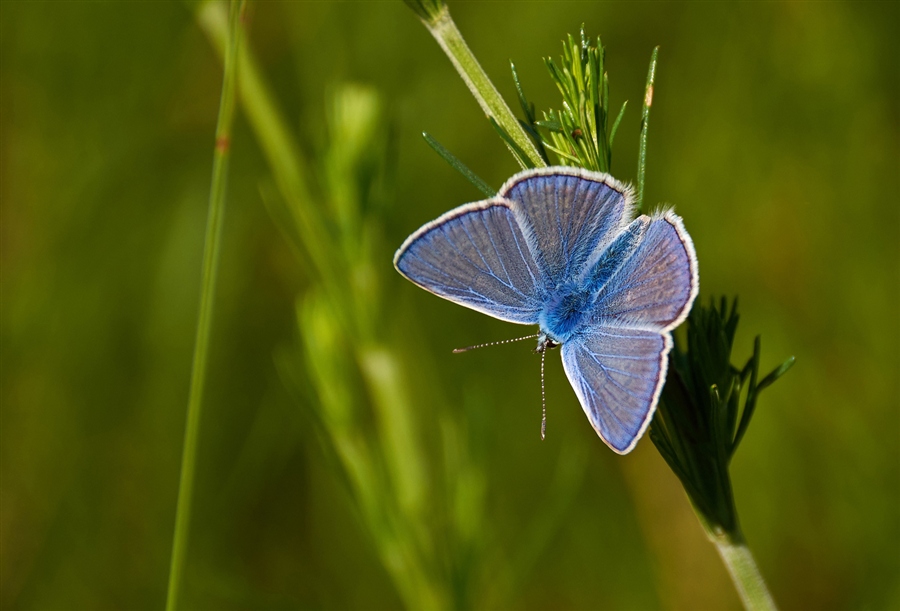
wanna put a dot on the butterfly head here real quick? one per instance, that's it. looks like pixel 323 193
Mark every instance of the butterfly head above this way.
pixel 545 342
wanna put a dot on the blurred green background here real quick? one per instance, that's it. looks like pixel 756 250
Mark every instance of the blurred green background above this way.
pixel 775 134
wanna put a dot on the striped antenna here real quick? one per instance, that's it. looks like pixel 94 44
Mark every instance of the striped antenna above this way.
pixel 543 398
pixel 505 341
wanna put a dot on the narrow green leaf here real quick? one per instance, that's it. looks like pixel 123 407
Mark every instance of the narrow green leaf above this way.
pixel 514 148
pixel 645 119
pixel 615 127
pixel 564 154
pixel 551 125
pixel 750 404
pixel 527 108
pixel 459 166
pixel 777 373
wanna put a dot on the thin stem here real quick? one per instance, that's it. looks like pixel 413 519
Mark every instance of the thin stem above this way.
pixel 283 154
pixel 449 37
pixel 645 120
pixel 744 573
pixel 211 247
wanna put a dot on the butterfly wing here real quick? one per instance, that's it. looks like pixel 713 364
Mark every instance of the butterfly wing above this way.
pixel 573 213
pixel 647 281
pixel 655 281
pixel 617 374
pixel 476 256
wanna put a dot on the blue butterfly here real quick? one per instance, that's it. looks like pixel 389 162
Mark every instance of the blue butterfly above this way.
pixel 557 247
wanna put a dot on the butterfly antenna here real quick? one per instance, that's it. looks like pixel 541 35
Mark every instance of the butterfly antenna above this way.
pixel 543 399
pixel 505 341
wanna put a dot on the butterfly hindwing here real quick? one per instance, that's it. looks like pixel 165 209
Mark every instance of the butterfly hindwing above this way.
pixel 476 256
pixel 617 374
pixel 573 214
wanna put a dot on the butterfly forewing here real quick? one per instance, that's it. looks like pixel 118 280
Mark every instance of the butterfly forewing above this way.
pixel 476 256
pixel 572 214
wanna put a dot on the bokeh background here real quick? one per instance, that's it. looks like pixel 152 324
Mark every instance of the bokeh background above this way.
pixel 774 133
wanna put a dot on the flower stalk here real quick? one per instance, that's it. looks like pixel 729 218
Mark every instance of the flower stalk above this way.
pixel 441 25
pixel 744 573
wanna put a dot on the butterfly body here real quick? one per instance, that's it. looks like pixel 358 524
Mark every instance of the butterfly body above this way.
pixel 557 248
pixel 565 312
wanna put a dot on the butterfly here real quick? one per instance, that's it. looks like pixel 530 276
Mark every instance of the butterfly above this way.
pixel 557 247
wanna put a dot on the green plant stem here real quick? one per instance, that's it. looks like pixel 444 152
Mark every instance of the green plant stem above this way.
pixel 211 248
pixel 645 120
pixel 451 41
pixel 744 572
